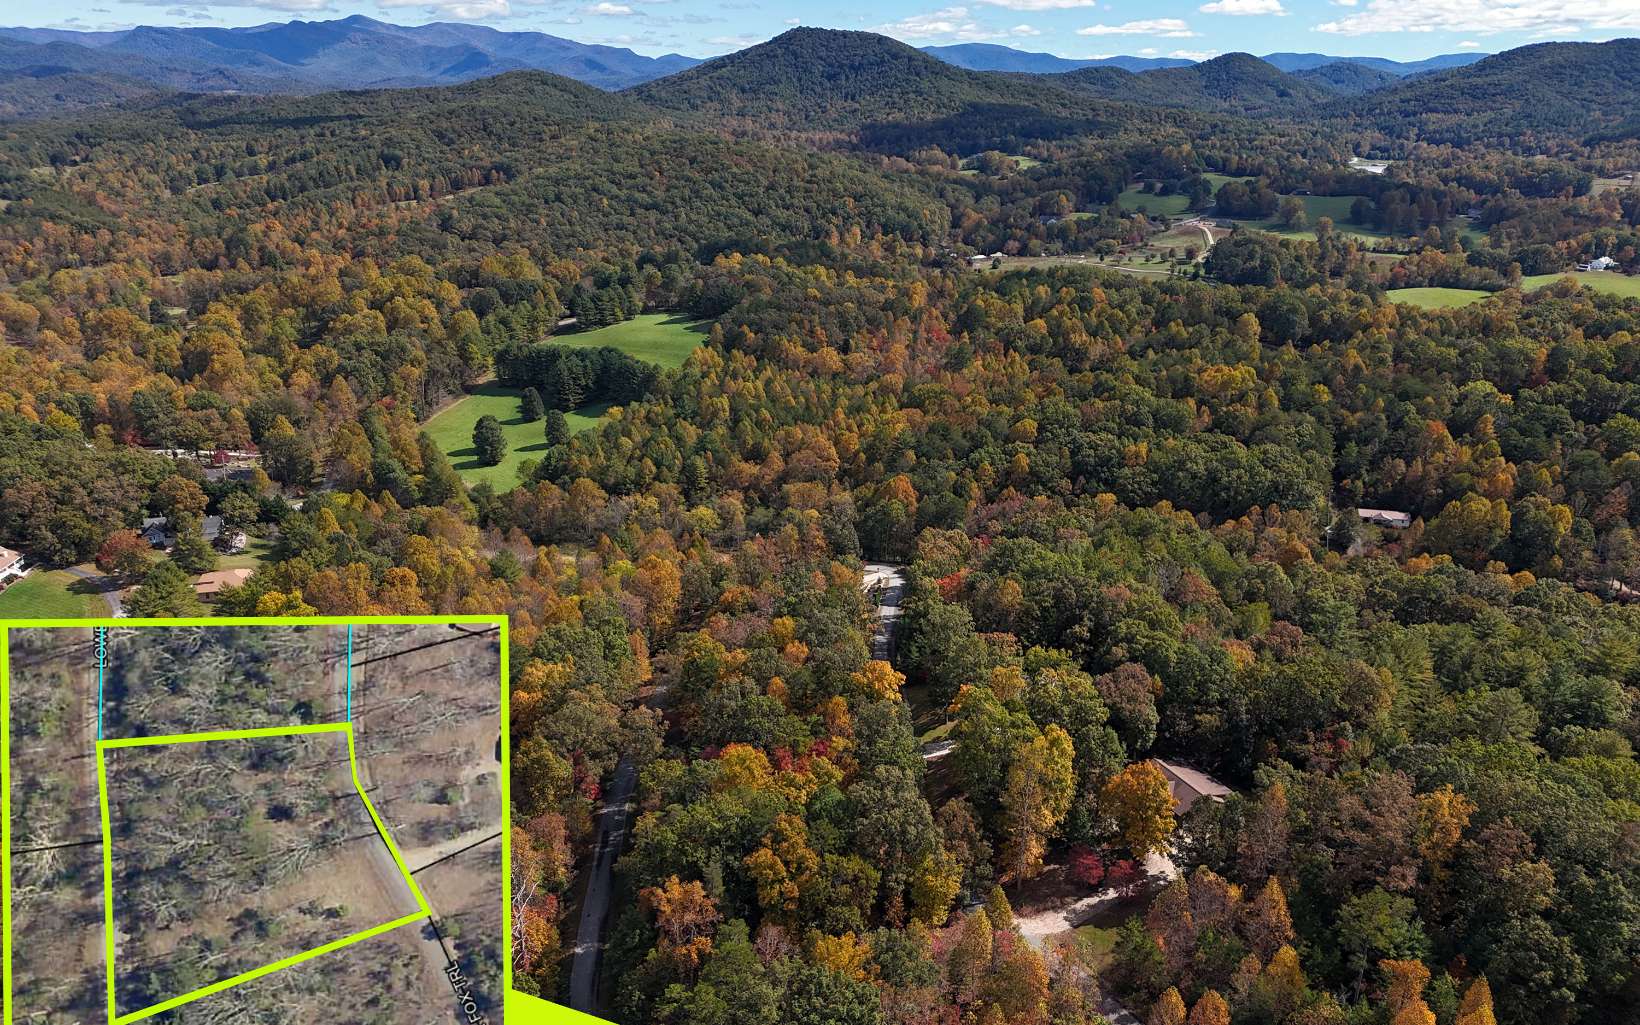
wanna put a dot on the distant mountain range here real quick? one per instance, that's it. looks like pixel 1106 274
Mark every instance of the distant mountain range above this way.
pixel 308 56
pixel 992 57
pixel 826 80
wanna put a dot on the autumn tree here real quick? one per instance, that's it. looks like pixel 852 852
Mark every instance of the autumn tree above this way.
pixel 1210 1010
pixel 1038 793
pixel 124 553
pixel 1138 801
pixel 1168 1009
pixel 685 918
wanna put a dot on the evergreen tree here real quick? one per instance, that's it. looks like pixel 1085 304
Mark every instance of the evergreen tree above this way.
pixel 192 552
pixel 165 591
pixel 488 441
pixel 557 427
pixel 530 406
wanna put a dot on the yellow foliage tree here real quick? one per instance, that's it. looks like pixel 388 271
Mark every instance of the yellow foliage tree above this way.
pixel 1210 1010
pixel 1138 800
pixel 1168 1009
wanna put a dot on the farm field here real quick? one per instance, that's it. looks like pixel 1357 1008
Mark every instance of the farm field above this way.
pixel 1435 298
pixel 1315 208
pixel 658 338
pixel 1600 281
pixel 53 595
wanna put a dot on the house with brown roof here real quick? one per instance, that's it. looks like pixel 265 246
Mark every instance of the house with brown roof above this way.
pixel 209 585
pixel 1187 785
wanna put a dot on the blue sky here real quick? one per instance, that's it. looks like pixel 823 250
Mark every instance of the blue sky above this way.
pixel 1401 29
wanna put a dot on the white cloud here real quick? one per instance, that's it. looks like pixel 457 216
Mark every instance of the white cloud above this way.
pixel 794 21
pixel 1486 17
pixel 1194 55
pixel 1469 44
pixel 1167 28
pixel 946 23
pixel 1025 30
pixel 735 42
pixel 607 8
pixel 289 6
pixel 1039 5
pixel 1244 7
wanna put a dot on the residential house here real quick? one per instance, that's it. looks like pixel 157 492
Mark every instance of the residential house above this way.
pixel 12 567
pixel 209 585
pixel 1599 263
pixel 156 530
pixel 1385 518
pixel 1187 786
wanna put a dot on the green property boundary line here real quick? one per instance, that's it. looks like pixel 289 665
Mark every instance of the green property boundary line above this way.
pixel 424 911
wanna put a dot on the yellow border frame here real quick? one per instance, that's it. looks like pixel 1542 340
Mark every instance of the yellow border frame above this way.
pixel 6 626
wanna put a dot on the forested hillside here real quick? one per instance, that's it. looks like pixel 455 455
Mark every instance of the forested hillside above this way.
pixel 1279 440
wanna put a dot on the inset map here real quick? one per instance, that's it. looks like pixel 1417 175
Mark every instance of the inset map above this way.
pixel 257 823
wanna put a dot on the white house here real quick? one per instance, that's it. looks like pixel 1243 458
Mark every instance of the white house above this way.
pixel 1598 263
pixel 1385 518
pixel 12 567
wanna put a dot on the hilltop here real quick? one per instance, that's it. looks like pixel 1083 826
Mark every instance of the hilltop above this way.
pixel 1556 88
pixel 1235 82
pixel 824 79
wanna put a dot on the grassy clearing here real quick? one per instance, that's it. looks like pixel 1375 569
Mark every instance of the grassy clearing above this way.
pixel 1315 208
pixel 1435 298
pixel 452 431
pixel 53 595
pixel 659 338
pixel 257 551
pixel 1600 281
pixel 1094 946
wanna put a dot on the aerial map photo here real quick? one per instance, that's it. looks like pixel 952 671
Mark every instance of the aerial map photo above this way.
pixel 910 512
pixel 254 823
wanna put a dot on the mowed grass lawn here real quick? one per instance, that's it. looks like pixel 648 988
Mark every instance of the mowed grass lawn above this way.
pixel 659 338
pixel 1600 281
pixel 663 340
pixel 1446 298
pixel 1435 298
pixel 53 595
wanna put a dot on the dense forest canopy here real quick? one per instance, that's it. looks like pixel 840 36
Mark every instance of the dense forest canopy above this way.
pixel 1107 382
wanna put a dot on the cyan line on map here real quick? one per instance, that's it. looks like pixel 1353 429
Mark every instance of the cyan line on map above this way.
pixel 102 658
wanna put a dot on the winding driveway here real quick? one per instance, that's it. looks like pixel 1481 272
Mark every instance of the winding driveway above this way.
pixel 110 594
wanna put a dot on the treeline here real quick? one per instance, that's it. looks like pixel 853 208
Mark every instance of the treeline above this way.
pixel 569 378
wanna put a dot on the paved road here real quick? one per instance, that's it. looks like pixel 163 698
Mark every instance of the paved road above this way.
pixel 936 749
pixel 613 819
pixel 115 607
pixel 885 584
